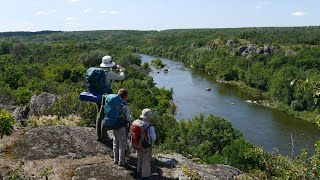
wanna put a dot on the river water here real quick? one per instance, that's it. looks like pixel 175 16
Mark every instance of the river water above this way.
pixel 265 127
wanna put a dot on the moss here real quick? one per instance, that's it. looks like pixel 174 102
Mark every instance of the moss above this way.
pixel 191 173
pixel 8 151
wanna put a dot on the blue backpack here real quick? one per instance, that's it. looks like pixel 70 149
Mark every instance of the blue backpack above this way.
pixel 114 113
pixel 96 81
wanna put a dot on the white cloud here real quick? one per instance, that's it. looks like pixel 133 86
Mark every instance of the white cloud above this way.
pixel 87 10
pixel 71 18
pixel 41 13
pixel 74 1
pixel 113 12
pixel 103 11
pixel 45 13
pixel 299 13
pixel 258 7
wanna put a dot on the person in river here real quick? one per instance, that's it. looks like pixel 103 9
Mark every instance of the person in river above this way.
pixel 120 135
pixel 107 64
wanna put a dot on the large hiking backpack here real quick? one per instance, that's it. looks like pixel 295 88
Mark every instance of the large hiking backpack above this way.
pixel 96 81
pixel 140 135
pixel 114 113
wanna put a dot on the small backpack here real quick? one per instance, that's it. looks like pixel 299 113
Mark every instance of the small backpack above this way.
pixel 140 135
pixel 96 81
pixel 114 113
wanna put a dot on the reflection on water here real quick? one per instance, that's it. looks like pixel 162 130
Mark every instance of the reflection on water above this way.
pixel 265 127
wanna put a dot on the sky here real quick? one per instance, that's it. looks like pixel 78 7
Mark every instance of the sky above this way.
pixel 79 15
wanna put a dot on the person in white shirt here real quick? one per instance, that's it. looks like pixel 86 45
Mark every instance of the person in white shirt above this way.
pixel 107 65
pixel 144 158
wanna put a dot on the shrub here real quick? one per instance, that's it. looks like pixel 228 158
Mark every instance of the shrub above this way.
pixel 146 66
pixel 240 154
pixel 22 95
pixel 201 137
pixel 92 59
pixel 6 123
pixel 157 63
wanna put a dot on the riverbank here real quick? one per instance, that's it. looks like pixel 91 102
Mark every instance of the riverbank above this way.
pixel 269 103
pixel 262 99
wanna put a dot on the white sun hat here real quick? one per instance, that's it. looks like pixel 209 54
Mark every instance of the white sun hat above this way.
pixel 107 62
pixel 146 114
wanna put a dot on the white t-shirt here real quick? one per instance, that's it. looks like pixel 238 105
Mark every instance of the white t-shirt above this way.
pixel 110 75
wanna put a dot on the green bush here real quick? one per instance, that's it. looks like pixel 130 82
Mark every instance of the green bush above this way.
pixel 6 123
pixel 146 66
pixel 157 63
pixel 22 95
pixel 92 59
pixel 240 154
pixel 202 137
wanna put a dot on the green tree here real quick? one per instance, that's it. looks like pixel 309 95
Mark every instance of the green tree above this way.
pixel 22 96
pixel 280 88
pixel 92 59
pixel 258 76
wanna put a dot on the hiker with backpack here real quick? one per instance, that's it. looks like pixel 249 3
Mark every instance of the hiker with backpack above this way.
pixel 107 66
pixel 143 134
pixel 99 81
pixel 120 134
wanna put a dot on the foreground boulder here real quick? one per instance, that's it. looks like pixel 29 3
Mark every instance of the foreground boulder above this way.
pixel 39 103
pixel 201 171
pixel 73 153
pixel 59 141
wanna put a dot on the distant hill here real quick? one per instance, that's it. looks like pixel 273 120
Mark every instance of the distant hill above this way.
pixel 25 33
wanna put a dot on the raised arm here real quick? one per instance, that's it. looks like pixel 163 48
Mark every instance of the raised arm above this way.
pixel 114 76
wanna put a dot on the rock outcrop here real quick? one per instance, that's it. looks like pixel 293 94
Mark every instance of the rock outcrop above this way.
pixel 247 50
pixel 230 42
pixel 74 153
pixel 218 171
pixel 8 107
pixel 259 50
pixel 39 103
pixel 21 114
pixel 213 45
pixel 241 49
pixel 59 141
pixel 290 52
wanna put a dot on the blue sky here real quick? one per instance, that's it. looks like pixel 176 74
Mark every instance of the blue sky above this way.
pixel 78 15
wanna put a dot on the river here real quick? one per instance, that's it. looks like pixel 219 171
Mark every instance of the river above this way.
pixel 262 126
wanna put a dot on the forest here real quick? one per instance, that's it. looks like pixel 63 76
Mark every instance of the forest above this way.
pixel 282 64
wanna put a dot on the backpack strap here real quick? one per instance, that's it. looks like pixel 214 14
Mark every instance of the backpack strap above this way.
pixel 148 127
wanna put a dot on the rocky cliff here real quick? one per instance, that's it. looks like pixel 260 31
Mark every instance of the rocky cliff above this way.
pixel 61 152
